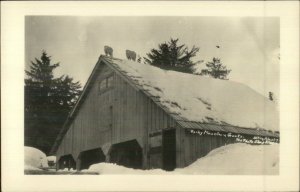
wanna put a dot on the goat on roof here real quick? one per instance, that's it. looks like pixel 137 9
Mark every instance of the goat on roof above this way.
pixel 108 51
pixel 131 55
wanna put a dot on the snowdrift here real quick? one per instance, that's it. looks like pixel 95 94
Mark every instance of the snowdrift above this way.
pixel 111 168
pixel 238 159
pixel 203 99
pixel 233 159
pixel 34 158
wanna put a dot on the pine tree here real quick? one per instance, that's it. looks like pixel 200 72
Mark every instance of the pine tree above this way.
pixel 139 60
pixel 216 69
pixel 47 102
pixel 171 56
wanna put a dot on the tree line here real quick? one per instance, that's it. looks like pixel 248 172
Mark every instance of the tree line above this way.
pixel 174 56
pixel 48 101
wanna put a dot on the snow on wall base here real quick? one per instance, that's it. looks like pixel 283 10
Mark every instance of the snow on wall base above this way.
pixel 232 159
pixel 238 159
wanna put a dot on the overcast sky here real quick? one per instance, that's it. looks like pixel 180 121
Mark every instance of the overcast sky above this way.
pixel 248 46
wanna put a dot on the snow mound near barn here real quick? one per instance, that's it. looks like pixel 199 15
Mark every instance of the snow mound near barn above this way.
pixel 238 159
pixel 203 99
pixel 233 159
pixel 34 158
pixel 111 168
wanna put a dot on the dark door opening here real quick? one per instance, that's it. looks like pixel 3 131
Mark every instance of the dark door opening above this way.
pixel 87 158
pixel 169 150
pixel 128 154
pixel 66 161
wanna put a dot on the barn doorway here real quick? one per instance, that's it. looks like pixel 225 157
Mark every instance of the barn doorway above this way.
pixel 128 154
pixel 66 161
pixel 89 157
pixel 169 149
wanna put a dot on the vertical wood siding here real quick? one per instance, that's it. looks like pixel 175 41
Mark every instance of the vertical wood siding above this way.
pixel 135 116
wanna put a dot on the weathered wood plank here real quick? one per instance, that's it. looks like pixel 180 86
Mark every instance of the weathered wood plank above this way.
pixel 134 116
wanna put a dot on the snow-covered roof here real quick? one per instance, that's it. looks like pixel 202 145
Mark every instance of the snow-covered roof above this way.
pixel 202 99
pixel 198 102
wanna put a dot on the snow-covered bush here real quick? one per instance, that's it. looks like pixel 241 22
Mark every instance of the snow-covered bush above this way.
pixel 34 158
pixel 51 161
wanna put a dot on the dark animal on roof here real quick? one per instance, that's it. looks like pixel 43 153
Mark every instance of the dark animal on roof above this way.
pixel 131 55
pixel 108 51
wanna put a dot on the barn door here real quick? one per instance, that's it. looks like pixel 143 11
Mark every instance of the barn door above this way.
pixel 169 149
pixel 128 154
pixel 91 157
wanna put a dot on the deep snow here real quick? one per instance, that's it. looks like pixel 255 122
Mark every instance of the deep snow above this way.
pixel 34 158
pixel 112 168
pixel 201 99
pixel 238 159
pixel 233 159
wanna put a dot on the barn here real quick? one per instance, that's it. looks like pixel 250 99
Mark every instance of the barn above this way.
pixel 141 116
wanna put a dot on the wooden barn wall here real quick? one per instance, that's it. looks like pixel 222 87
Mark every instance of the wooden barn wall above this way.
pixel 194 146
pixel 135 116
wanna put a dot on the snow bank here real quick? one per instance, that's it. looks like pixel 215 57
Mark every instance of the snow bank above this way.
pixel 111 168
pixel 233 159
pixel 67 170
pixel 34 158
pixel 238 159
pixel 31 168
pixel 204 99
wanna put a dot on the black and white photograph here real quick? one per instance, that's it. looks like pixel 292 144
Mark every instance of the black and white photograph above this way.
pixel 158 95
pixel 115 95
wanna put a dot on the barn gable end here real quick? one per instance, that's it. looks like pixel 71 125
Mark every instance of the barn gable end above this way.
pixel 114 115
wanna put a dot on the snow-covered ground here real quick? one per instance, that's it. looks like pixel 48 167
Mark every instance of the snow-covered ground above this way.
pixel 203 99
pixel 66 169
pixel 233 159
pixel 34 159
pixel 111 168
pixel 238 159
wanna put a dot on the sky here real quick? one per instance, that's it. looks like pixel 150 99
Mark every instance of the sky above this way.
pixel 249 46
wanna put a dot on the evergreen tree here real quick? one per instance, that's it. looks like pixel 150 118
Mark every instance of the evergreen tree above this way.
pixel 48 101
pixel 171 56
pixel 216 69
pixel 139 60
